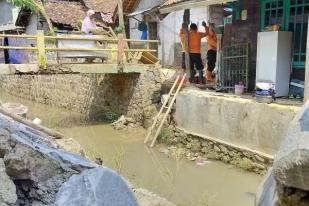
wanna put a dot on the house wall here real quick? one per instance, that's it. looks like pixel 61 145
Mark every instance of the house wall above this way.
pixel 31 28
pixel 144 4
pixel 170 47
pixel 169 51
pixel 6 16
pixel 243 31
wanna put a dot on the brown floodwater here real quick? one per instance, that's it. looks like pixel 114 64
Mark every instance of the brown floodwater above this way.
pixel 180 181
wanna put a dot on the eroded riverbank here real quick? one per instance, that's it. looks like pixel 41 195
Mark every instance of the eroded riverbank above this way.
pixel 180 181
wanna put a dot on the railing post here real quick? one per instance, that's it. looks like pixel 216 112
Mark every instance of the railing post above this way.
pixel 41 49
pixel 120 52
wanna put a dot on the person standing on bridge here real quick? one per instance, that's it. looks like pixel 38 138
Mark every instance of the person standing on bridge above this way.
pixel 89 24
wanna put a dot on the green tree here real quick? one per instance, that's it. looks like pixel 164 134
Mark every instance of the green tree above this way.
pixel 35 7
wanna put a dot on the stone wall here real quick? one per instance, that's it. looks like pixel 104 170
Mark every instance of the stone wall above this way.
pixel 238 121
pixel 100 96
pixel 195 147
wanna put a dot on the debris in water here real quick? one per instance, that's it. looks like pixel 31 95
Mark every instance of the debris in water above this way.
pixel 202 162
pixel 37 121
pixel 99 160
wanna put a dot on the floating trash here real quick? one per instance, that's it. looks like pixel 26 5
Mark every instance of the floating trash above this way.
pixel 202 162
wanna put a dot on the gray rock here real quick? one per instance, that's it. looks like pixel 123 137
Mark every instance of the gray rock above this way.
pixel 223 149
pixel 259 158
pixel 35 163
pixel 267 194
pixel 291 165
pixel 95 187
pixel 146 198
pixel 7 188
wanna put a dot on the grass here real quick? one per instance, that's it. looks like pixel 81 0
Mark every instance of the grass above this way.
pixel 166 136
pixel 118 159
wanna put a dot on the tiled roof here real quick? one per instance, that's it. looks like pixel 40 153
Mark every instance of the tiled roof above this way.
pixel 104 6
pixel 65 12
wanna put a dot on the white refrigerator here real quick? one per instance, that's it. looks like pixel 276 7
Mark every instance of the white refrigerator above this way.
pixel 274 60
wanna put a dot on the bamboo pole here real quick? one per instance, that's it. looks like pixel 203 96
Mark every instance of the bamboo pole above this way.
pixel 168 111
pixel 19 47
pixel 161 110
pixel 41 49
pixel 306 86
pixel 186 21
pixel 49 132
pixel 95 49
pixel 120 52
pixel 95 38
pixel 18 36
pixel 120 14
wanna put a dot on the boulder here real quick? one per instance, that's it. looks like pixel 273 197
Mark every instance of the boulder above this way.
pixel 267 194
pixel 95 187
pixel 7 188
pixel 146 198
pixel 35 163
pixel 291 165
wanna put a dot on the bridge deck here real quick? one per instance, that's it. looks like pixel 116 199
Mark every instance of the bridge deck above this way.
pixel 97 68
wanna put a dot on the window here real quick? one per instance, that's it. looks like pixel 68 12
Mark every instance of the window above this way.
pixel 291 15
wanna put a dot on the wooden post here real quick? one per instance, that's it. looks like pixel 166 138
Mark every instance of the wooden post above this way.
pixel 120 52
pixel 186 21
pixel 120 14
pixel 41 49
pixel 306 86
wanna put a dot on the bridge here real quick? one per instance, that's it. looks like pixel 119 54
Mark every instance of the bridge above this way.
pixel 69 54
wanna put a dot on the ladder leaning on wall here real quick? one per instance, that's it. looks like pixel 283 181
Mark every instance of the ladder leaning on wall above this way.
pixel 165 110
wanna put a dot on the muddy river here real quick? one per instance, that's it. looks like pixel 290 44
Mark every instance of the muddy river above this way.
pixel 180 181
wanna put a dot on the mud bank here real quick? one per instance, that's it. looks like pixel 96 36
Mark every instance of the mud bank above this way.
pixel 35 171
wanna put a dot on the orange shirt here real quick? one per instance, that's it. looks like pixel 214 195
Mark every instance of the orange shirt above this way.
pixel 195 39
pixel 211 40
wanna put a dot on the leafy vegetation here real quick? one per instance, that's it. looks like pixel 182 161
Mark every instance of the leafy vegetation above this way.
pixel 166 136
pixel 35 7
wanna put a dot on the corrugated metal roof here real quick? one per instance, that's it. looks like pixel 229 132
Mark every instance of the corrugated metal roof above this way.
pixel 172 5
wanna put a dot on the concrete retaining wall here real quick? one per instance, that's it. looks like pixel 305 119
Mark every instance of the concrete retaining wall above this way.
pixel 234 120
pixel 97 95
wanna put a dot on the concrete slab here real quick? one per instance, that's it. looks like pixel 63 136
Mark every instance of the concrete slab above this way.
pixel 238 121
pixel 73 68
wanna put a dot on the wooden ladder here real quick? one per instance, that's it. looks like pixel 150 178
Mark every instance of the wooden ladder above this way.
pixel 165 109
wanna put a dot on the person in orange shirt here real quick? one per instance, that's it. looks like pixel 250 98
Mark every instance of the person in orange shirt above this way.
pixel 212 51
pixel 195 38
